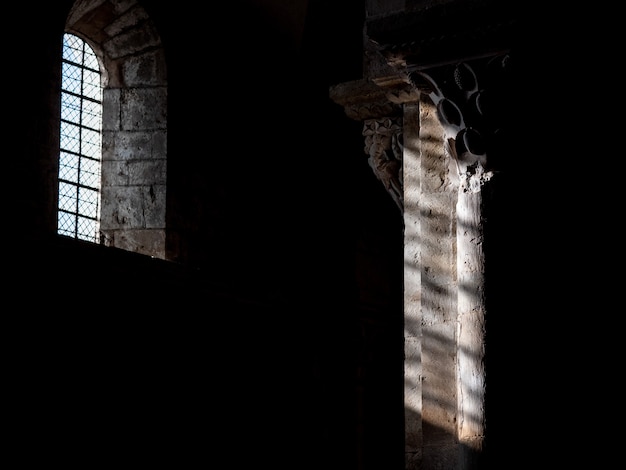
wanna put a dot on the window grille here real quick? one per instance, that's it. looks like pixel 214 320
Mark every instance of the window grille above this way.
pixel 81 142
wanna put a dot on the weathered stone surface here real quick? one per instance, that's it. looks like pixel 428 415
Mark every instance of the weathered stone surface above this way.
pixel 133 207
pixel 147 242
pixel 145 70
pixel 128 146
pixel 143 109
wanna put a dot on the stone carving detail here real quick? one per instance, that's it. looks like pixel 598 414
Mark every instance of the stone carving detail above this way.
pixel 470 111
pixel 471 100
pixel 364 99
pixel 383 144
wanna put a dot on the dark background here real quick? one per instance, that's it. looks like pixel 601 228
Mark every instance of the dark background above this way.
pixel 276 339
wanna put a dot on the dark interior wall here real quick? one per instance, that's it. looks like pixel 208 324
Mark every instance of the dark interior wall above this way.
pixel 250 347
pixel 34 56
pixel 269 151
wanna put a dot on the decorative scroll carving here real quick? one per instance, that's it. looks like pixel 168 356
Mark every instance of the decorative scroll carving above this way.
pixel 383 144
pixel 470 109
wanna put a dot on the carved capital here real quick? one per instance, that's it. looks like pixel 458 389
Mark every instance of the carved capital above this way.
pixel 471 98
pixel 383 145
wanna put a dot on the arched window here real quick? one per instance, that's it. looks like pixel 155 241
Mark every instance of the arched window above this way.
pixel 113 159
pixel 80 154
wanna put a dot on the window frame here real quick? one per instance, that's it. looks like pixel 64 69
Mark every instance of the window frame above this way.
pixel 133 194
pixel 79 171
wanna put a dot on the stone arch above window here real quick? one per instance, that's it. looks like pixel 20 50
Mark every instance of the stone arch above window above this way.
pixel 134 122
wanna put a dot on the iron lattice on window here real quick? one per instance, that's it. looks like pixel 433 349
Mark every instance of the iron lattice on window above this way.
pixel 81 142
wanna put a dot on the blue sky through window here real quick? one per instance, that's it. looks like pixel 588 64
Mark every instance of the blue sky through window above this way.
pixel 81 142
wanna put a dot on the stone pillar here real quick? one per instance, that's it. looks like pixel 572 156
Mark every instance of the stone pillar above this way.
pixel 448 123
pixel 438 297
pixel 413 441
pixel 471 313
pixel 463 104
